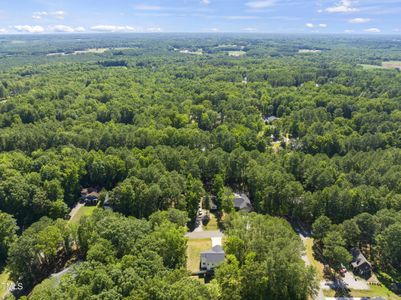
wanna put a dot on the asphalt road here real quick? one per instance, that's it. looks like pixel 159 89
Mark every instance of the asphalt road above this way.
pixel 204 234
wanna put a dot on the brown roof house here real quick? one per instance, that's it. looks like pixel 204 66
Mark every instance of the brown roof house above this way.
pixel 90 196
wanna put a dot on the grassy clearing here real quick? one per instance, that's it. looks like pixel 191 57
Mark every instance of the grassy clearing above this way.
pixel 194 247
pixel 385 65
pixel 370 67
pixel 375 291
pixel 3 281
pixel 212 224
pixel 92 50
pixel 197 52
pixel 392 64
pixel 83 211
pixel 236 53
pixel 309 253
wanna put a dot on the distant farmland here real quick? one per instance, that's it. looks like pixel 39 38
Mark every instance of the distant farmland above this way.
pixel 385 65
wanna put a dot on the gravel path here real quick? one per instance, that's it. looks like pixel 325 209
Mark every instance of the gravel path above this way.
pixel 74 211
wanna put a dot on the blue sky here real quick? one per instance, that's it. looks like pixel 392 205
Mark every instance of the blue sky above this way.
pixel 264 16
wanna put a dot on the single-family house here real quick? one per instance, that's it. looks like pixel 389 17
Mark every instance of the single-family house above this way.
pixel 242 203
pixel 360 265
pixel 270 119
pixel 89 196
pixel 211 258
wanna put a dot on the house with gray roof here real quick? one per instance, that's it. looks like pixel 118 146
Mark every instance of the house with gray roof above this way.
pixel 270 119
pixel 360 265
pixel 211 258
pixel 242 203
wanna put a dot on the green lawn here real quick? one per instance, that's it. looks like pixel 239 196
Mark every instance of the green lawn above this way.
pixel 368 67
pixel 236 53
pixel 385 65
pixel 3 281
pixel 309 253
pixel 375 291
pixel 83 211
pixel 212 224
pixel 194 247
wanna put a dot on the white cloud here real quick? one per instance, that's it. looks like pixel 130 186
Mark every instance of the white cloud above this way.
pixel 348 31
pixel 62 28
pixel 311 25
pixel 66 29
pixel 343 6
pixel 112 28
pixel 147 7
pixel 250 29
pixel 79 29
pixel 205 2
pixel 241 17
pixel 39 14
pixel 59 14
pixel 260 4
pixel 373 30
pixel 359 20
pixel 154 29
pixel 29 28
pixel 2 30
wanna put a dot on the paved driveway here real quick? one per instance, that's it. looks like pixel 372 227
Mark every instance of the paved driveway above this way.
pixel 351 282
pixel 216 241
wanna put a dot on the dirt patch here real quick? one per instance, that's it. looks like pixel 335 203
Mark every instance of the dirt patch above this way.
pixel 392 65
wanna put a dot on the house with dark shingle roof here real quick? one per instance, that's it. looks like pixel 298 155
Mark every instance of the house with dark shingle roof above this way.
pixel 360 265
pixel 242 203
pixel 89 196
pixel 211 258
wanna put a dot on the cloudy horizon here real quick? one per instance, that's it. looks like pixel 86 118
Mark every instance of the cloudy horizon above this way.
pixel 253 16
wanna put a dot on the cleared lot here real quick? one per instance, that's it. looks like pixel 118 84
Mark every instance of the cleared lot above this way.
pixel 194 248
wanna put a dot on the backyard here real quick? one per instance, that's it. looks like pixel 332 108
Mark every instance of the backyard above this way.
pixel 212 224
pixel 82 211
pixel 194 248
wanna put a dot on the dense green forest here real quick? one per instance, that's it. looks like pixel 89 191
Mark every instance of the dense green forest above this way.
pixel 157 128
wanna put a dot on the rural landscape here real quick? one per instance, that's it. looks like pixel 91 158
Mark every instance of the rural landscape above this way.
pixel 221 166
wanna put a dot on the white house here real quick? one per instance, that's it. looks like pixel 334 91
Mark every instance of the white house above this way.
pixel 211 258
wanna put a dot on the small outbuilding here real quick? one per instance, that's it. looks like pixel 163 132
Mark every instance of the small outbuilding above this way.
pixel 360 265
pixel 212 204
pixel 212 258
